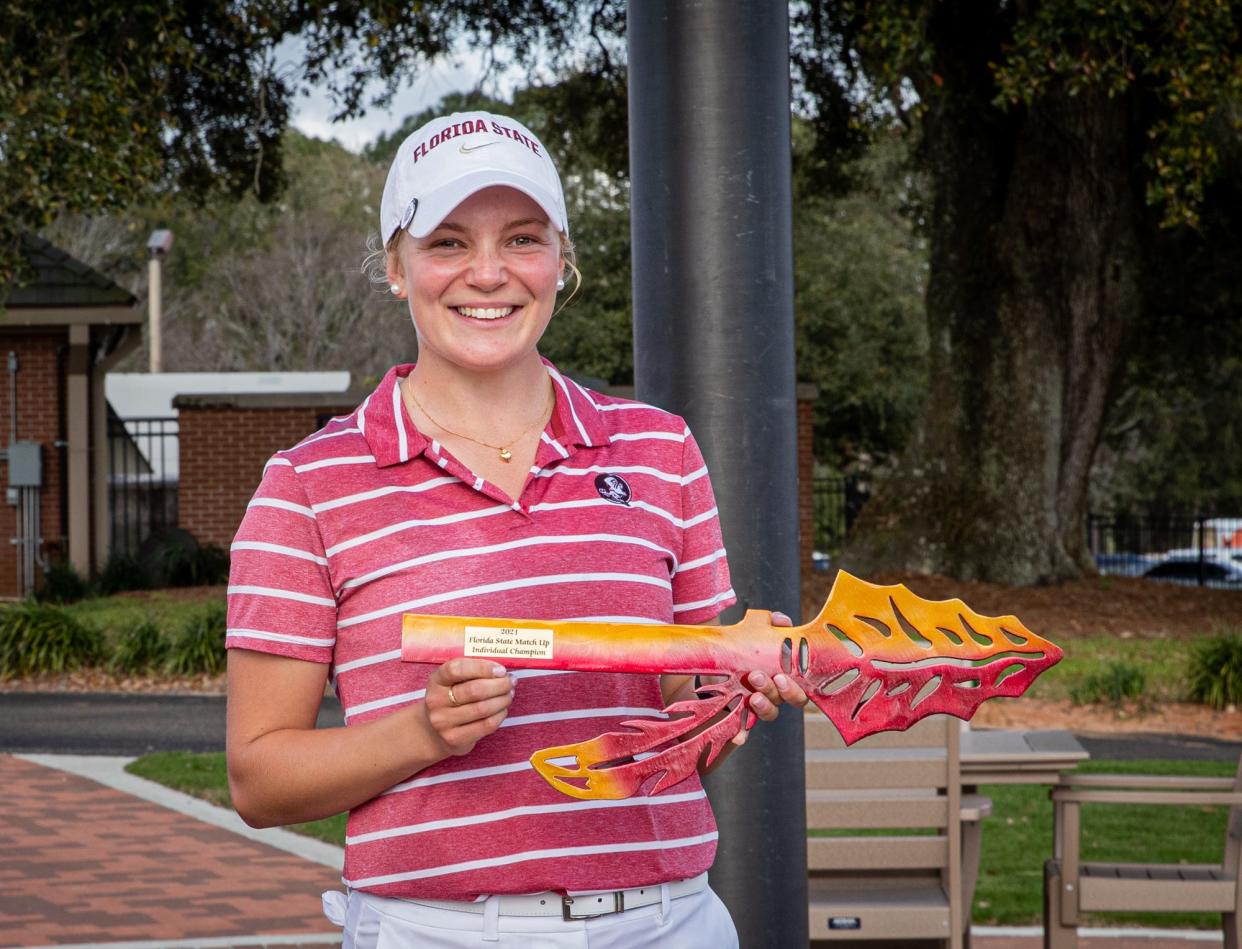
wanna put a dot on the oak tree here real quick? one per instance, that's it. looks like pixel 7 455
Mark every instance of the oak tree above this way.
pixel 1057 136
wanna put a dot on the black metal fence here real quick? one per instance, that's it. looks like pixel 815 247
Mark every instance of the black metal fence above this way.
pixel 837 503
pixel 1193 551
pixel 142 479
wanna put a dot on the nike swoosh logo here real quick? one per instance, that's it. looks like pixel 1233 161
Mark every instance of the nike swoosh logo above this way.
pixel 466 150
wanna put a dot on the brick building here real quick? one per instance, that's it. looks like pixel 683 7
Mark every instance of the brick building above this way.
pixel 61 332
pixel 215 485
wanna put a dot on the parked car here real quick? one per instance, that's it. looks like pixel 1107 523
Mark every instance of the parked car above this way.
pixel 1187 571
pixel 1125 564
pixel 1223 554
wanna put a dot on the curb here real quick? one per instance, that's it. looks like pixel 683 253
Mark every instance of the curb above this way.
pixel 110 771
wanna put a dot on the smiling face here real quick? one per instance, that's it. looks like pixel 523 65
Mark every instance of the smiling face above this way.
pixel 482 285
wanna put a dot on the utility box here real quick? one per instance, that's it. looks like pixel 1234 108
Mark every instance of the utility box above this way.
pixel 25 465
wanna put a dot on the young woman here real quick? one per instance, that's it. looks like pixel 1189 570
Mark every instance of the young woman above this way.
pixel 480 481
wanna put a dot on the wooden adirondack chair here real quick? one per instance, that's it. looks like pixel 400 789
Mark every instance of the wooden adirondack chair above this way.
pixel 893 886
pixel 1073 886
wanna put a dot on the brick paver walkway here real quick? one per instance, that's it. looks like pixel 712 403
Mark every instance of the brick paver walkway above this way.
pixel 83 863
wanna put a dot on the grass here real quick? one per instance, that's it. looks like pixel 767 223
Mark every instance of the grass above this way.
pixel 1017 838
pixel 1119 682
pixel 205 775
pixel 1162 664
pixel 201 774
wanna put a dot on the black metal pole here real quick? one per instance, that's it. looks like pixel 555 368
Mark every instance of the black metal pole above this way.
pixel 713 341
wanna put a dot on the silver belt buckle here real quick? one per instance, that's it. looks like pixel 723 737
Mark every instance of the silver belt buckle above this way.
pixel 567 903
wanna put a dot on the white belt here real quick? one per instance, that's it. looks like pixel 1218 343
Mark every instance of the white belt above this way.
pixel 582 906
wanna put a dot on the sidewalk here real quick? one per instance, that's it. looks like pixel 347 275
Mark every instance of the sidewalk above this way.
pixel 86 864
pixel 1022 938
pixel 126 864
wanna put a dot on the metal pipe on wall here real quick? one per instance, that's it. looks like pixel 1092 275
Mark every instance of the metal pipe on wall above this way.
pixel 711 227
pixel 12 365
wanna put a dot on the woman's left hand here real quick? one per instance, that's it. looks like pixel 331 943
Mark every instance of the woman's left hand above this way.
pixel 769 693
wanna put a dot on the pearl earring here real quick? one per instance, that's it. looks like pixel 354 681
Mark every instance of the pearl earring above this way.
pixel 560 283
pixel 394 288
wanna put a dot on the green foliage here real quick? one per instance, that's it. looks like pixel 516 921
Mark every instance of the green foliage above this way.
pixel 263 286
pixel 198 647
pixel 181 565
pixel 123 571
pixel 1183 58
pixel 1117 683
pixel 62 584
pixel 172 557
pixel 160 93
pixel 861 338
pixel 1173 444
pixel 113 615
pixel 37 638
pixel 1180 64
pixel 167 96
pixel 140 649
pixel 1216 671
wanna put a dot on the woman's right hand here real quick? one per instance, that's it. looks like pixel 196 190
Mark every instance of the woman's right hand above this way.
pixel 466 700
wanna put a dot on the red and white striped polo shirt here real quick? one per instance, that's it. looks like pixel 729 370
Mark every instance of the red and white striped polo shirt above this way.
pixel 368 519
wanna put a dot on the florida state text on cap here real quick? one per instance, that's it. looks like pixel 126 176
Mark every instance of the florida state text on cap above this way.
pixel 452 157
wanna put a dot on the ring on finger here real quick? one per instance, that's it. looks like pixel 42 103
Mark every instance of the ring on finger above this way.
pixel 452 697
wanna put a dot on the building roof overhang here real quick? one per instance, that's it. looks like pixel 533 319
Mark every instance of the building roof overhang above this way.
pixel 61 290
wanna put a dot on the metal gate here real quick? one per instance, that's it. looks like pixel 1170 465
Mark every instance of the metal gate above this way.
pixel 142 479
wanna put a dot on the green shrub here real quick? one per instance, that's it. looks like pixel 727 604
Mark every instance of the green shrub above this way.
pixel 210 566
pixel 198 647
pixel 1216 671
pixel 62 584
pixel 1117 682
pixel 175 559
pixel 141 648
pixel 123 572
pixel 36 638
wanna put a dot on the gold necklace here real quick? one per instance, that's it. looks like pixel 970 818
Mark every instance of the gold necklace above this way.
pixel 505 454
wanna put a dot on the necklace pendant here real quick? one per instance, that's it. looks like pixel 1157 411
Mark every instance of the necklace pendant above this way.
pixel 506 455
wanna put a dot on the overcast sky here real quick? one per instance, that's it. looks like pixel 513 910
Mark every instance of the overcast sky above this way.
pixel 312 113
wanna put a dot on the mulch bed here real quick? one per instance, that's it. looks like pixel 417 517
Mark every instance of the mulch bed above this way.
pixel 1100 606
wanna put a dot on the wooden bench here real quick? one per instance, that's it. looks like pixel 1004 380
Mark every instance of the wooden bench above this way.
pixel 1073 886
pixel 902 853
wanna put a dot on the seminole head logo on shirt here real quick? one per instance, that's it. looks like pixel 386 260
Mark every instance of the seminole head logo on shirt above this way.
pixel 613 488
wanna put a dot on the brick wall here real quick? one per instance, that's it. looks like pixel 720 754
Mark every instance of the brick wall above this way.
pixel 224 444
pixel 39 397
pixel 806 472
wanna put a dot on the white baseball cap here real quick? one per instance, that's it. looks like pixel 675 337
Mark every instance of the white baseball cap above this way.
pixel 452 157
